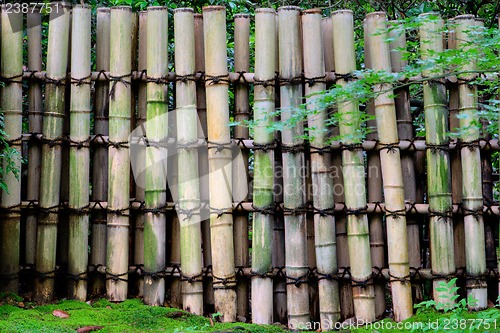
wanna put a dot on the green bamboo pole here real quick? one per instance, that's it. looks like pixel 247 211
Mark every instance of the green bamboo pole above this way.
pixel 392 174
pixel 472 196
pixel 11 66
pixel 405 131
pixel 240 165
pixel 35 106
pixel 296 263
pixel 79 156
pixel 140 156
pixel 353 171
pixel 263 191
pixel 199 49
pixel 346 304
pixel 119 160
pixel 438 162
pixel 100 152
pixel 324 226
pixel 57 51
pixel 156 130
pixel 221 225
pixel 189 187
pixel 375 194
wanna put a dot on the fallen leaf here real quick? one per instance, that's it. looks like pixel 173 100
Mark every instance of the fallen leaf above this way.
pixel 60 314
pixel 89 329
pixel 175 314
pixel 211 321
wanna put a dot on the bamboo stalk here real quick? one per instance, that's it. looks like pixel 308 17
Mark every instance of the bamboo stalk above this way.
pixel 11 65
pixel 280 297
pixel 296 263
pixel 324 226
pixel 50 180
pixel 141 153
pixel 353 169
pixel 156 130
pixel 472 196
pixel 100 152
pixel 221 225
pixel 240 164
pixel 119 160
pixel 189 187
pixel 438 162
pixel 263 190
pixel 35 106
pixel 375 194
pixel 79 156
pixel 346 303
pixel 392 174
pixel 405 131
pixel 199 49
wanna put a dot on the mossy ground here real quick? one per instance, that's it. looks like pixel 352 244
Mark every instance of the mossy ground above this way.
pixel 133 316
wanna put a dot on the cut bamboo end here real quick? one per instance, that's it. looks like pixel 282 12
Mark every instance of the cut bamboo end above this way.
pixel 313 11
pixel 265 10
pixel 213 8
pixel 184 10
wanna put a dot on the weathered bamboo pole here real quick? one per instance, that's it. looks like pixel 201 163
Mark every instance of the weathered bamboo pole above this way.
pixel 100 152
pixel 57 51
pixel 11 66
pixel 140 156
pixel 322 182
pixel 240 165
pixel 35 107
pixel 353 169
pixel 472 196
pixel 456 161
pixel 405 131
pixel 392 175
pixel 189 186
pixel 346 304
pixel 438 162
pixel 156 177
pixel 79 155
pixel 296 263
pixel 199 49
pixel 279 285
pixel 263 190
pixel 375 194
pixel 221 225
pixel 119 160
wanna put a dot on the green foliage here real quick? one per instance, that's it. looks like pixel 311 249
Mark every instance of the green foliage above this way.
pixel 8 158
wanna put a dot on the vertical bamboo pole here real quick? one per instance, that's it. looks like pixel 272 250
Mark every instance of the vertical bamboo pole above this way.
pixel 199 48
pixel 57 51
pixel 140 156
pixel 240 183
pixel 375 194
pixel 296 263
pixel 405 131
pixel 353 169
pixel 189 186
pixel 472 196
pixel 324 224
pixel 35 106
pixel 280 298
pixel 100 152
pixel 119 160
pixel 156 177
pixel 346 304
pixel 392 174
pixel 456 161
pixel 79 154
pixel 221 221
pixel 263 191
pixel 11 67
pixel 438 162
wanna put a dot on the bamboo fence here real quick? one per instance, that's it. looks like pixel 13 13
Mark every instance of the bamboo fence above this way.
pixel 299 227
